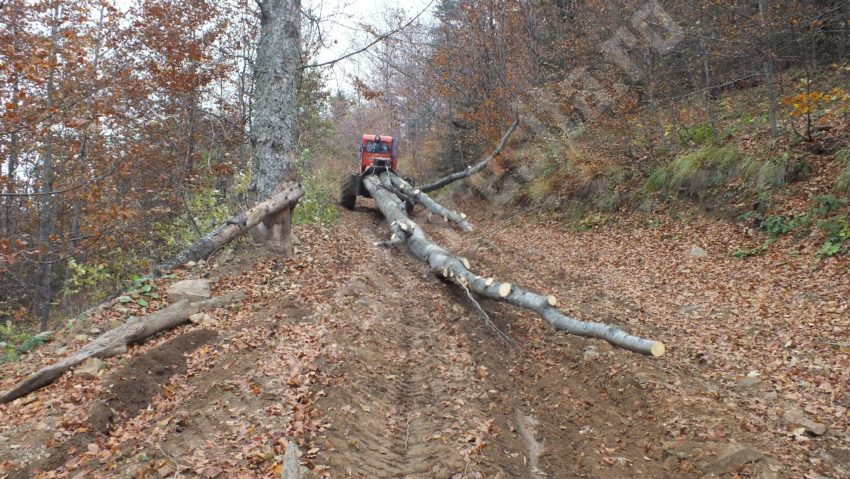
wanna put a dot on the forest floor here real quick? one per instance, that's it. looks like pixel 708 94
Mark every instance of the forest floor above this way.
pixel 378 369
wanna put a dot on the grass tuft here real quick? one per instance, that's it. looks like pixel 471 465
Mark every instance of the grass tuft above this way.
pixel 842 183
pixel 694 172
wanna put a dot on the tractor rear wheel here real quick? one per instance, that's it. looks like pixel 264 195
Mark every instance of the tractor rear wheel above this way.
pixel 348 191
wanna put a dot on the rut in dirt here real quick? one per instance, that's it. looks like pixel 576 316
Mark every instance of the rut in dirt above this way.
pixel 412 402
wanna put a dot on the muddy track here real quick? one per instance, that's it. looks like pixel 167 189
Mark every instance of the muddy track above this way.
pixel 410 396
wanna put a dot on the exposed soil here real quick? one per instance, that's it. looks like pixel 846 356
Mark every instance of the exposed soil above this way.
pixel 375 368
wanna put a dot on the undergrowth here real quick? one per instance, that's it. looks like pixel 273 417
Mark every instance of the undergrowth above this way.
pixel 15 342
pixel 827 215
pixel 318 204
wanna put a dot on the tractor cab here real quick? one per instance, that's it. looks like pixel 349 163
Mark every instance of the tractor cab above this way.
pixel 377 153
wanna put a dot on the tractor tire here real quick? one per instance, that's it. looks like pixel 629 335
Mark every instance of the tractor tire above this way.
pixel 348 191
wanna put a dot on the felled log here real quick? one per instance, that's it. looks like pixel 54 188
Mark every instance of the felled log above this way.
pixel 457 270
pixel 422 198
pixel 115 341
pixel 235 226
pixel 471 170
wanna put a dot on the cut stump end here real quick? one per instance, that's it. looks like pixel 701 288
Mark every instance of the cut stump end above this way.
pixel 658 349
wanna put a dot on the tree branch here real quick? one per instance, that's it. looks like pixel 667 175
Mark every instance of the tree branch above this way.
pixel 377 40
pixel 471 170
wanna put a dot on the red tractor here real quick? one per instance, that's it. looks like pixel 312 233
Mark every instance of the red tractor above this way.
pixel 375 154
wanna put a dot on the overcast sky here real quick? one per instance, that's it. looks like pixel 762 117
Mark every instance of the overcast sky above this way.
pixel 342 28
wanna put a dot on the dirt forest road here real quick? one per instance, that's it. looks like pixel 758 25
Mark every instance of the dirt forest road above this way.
pixel 379 370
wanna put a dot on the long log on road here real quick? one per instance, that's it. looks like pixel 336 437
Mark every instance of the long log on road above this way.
pixel 115 341
pixel 471 170
pixel 457 269
pixel 422 198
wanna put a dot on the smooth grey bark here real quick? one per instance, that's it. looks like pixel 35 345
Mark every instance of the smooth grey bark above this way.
pixel 426 201
pixel 767 69
pixel 275 114
pixel 235 226
pixel 46 207
pixel 82 155
pixel 11 171
pixel 14 148
pixel 457 270
pixel 709 103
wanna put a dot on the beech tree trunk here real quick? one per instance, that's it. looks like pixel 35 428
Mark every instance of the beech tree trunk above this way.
pixel 458 270
pixel 115 341
pixel 275 113
pixel 47 202
pixel 426 201
pixel 235 226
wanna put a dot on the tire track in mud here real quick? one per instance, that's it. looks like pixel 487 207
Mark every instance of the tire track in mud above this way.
pixel 412 402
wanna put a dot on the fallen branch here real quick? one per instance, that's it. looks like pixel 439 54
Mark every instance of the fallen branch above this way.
pixel 422 198
pixel 115 341
pixel 471 170
pixel 457 270
pixel 234 227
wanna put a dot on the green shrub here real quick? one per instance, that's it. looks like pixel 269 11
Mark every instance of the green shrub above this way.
pixel 208 209
pixel 318 205
pixel 17 342
pixel 607 201
pixel 826 204
pixel 837 233
pixel 658 179
pixel 540 188
pixel 744 253
pixel 697 135
pixel 603 189
pixel 778 225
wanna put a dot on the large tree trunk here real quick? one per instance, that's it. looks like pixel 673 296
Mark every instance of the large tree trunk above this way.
pixel 275 113
pixel 457 270
pixel 235 226
pixel 115 341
